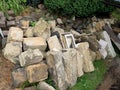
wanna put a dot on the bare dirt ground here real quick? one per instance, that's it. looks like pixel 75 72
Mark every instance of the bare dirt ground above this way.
pixel 5 73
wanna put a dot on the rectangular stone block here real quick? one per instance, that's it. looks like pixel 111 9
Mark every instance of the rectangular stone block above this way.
pixel 15 34
pixel 54 43
pixel 37 72
pixel 35 43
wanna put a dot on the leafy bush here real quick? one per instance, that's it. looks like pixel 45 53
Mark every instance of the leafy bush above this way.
pixel 34 3
pixel 77 7
pixel 15 5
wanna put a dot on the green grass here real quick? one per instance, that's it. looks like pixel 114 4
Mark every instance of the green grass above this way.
pixel 89 81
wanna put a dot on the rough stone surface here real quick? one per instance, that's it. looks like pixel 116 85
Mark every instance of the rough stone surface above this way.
pixel 70 63
pixel 30 88
pixel 93 55
pixel 37 72
pixel 12 51
pixel 110 49
pixel 52 24
pixel 42 29
pixel 30 57
pixel 29 32
pixel 19 76
pixel 79 64
pixel 54 43
pixel 15 34
pixel 35 43
pixel 56 69
pixel 11 23
pixel 44 86
pixel 2 23
pixel 87 62
pixel 59 21
pixel 98 55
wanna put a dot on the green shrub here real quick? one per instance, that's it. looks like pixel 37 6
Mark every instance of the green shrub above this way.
pixel 15 5
pixel 77 7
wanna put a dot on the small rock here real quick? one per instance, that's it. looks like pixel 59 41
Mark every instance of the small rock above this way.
pixel 29 32
pixel 1 14
pixel 41 6
pixel 30 57
pixel 52 24
pixel 37 72
pixel 98 55
pixel 2 24
pixel 19 76
pixel 10 18
pixel 11 23
pixel 93 55
pixel 30 88
pixel 59 21
pixel 44 86
pixel 94 19
pixel 54 43
pixel 34 43
pixel 25 23
pixel 11 13
pixel 119 35
pixel 4 40
pixel 15 34
pixel 12 51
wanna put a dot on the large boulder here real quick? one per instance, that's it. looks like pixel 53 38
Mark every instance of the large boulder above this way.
pixel 56 69
pixel 12 51
pixel 42 29
pixel 37 72
pixel 34 43
pixel 87 59
pixel 70 63
pixel 15 34
pixel 30 57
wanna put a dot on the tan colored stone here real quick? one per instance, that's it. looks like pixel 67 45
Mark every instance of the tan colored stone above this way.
pixel 37 72
pixel 15 34
pixel 35 43
pixel 87 63
pixel 93 55
pixel 29 32
pixel 52 24
pixel 54 43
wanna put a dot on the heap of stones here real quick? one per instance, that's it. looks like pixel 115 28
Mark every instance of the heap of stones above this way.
pixel 39 52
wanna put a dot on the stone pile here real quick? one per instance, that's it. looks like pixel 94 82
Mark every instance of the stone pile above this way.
pixel 47 50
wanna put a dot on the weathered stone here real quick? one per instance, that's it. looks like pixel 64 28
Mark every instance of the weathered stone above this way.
pixel 15 34
pixel 75 33
pixel 30 57
pixel 70 63
pixel 87 62
pixel 42 29
pixel 37 72
pixel 12 51
pixel 2 23
pixel 30 88
pixel 56 69
pixel 11 23
pixel 9 18
pixel 54 43
pixel 59 21
pixel 119 35
pixel 4 40
pixel 79 64
pixel 93 55
pixel 52 24
pixel 19 76
pixel 99 25
pixel 110 50
pixel 44 86
pixel 25 23
pixel 35 43
pixel 29 32
pixel 1 14
pixel 98 55
pixel 60 30
pixel 11 13
pixel 3 18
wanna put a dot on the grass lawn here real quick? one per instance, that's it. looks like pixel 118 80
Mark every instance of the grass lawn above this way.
pixel 89 81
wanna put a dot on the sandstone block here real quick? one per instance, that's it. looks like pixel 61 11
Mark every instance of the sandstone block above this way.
pixel 30 57
pixel 54 43
pixel 37 72
pixel 15 34
pixel 35 43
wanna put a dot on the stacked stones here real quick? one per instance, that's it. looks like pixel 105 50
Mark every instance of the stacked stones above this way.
pixel 39 52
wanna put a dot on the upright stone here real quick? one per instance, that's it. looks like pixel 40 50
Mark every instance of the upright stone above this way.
pixel 42 29
pixel 70 63
pixel 44 86
pixel 110 49
pixel 30 57
pixel 79 64
pixel 54 43
pixel 29 32
pixel 15 34
pixel 12 51
pixel 37 72
pixel 87 62
pixel 19 76
pixel 56 69
pixel 35 43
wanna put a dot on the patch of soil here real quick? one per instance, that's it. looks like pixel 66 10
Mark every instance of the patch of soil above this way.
pixel 5 73
pixel 112 77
